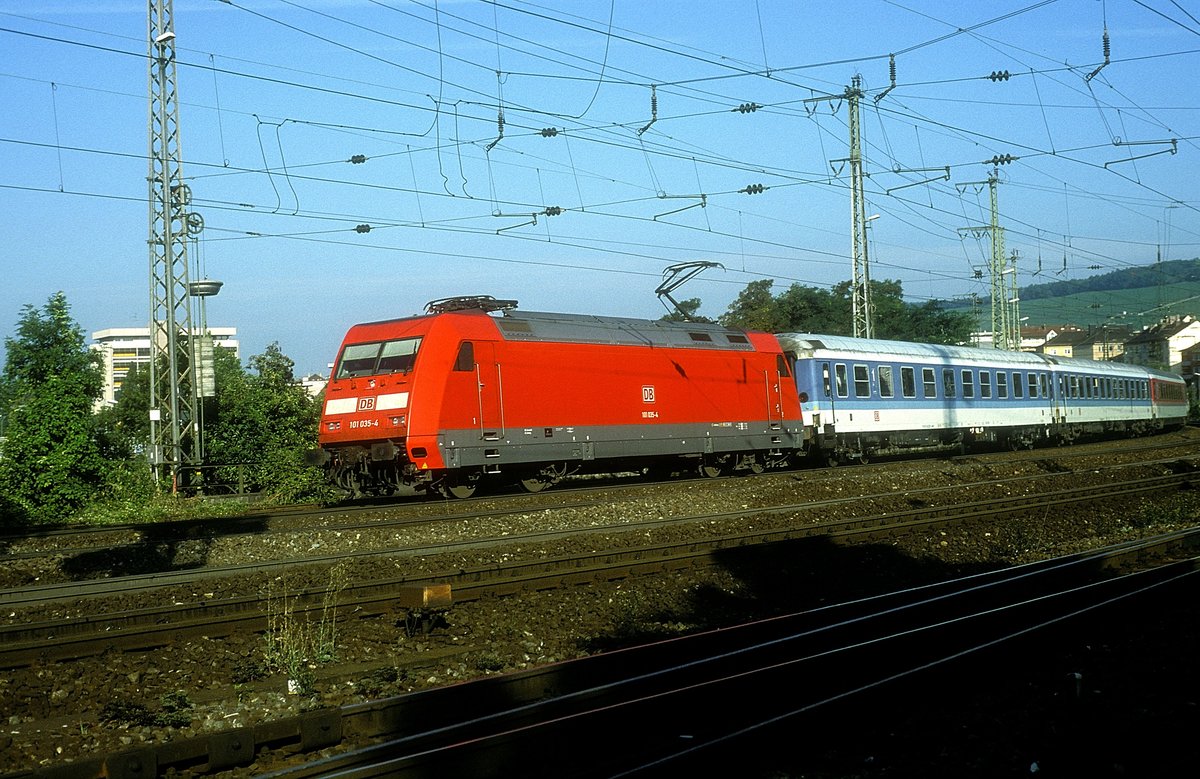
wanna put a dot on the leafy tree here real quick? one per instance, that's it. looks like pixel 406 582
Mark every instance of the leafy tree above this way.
pixel 687 312
pixel 755 308
pixel 52 462
pixel 812 310
pixel 125 427
pixel 262 423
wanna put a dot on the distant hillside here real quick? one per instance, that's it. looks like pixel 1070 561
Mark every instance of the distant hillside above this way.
pixel 1134 297
pixel 1165 273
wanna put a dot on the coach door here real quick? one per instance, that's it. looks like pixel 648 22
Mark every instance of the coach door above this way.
pixel 489 379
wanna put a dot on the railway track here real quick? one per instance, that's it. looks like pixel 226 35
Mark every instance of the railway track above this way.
pixel 487 633
pixel 114 540
pixel 473 538
pixel 148 627
pixel 693 703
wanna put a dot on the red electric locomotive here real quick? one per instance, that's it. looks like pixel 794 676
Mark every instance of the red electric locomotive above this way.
pixel 475 390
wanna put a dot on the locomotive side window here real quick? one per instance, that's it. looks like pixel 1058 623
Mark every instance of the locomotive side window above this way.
pixel 1018 387
pixel 948 383
pixel 839 377
pixel 929 382
pixel 968 383
pixel 985 384
pixel 781 365
pixel 465 361
pixel 1001 385
pixel 885 382
pixel 398 356
pixel 862 381
pixel 908 381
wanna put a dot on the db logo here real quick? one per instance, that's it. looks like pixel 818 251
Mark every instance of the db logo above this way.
pixel 366 404
pixel 648 394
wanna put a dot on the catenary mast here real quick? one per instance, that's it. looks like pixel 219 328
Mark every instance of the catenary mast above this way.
pixel 174 432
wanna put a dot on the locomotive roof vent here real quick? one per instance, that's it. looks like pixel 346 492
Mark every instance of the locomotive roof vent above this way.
pixel 469 303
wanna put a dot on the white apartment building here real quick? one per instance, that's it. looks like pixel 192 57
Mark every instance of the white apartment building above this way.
pixel 121 348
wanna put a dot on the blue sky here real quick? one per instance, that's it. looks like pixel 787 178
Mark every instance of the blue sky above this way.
pixel 622 114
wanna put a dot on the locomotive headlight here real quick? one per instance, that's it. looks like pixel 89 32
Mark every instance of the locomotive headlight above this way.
pixel 396 421
pixel 333 426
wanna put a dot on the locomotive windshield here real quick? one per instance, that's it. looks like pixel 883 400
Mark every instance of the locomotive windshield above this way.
pixel 371 359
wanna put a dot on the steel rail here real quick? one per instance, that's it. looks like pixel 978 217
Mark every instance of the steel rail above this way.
pixel 715 685
pixel 22 644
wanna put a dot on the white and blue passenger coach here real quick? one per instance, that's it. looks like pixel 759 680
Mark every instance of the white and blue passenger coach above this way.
pixel 865 397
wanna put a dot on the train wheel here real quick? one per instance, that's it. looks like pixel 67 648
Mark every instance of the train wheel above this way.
pixel 757 464
pixel 460 485
pixel 546 477
pixel 711 469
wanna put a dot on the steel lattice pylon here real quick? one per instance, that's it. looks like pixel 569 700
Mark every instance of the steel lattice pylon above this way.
pixel 174 434
pixel 860 271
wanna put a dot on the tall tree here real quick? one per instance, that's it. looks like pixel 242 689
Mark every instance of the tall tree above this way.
pixel 51 461
pixel 687 312
pixel 263 423
pixel 813 310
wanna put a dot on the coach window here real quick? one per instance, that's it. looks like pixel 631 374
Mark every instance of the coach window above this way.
pixel 968 383
pixel 1043 382
pixel 1095 386
pixel 1033 384
pixel 1142 385
pixel 908 381
pixel 885 382
pixel 929 382
pixel 465 361
pixel 839 375
pixel 948 383
pixel 985 384
pixel 862 381
pixel 1001 385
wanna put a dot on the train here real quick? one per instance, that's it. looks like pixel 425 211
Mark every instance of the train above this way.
pixel 864 397
pixel 474 392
